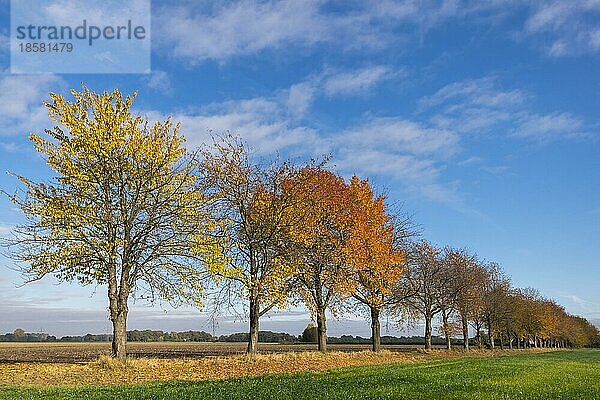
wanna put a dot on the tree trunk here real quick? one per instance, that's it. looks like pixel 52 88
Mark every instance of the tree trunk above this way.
pixel 428 331
pixel 321 330
pixel 446 330
pixel 491 336
pixel 254 325
pixel 119 340
pixel 375 329
pixel 118 298
pixel 465 331
pixel 501 343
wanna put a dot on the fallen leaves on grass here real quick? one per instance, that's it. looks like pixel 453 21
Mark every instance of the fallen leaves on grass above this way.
pixel 106 370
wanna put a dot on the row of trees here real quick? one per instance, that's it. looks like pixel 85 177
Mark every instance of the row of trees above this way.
pixel 131 208
pixel 464 292
pixel 301 234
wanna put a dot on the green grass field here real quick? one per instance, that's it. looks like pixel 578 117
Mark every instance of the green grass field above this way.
pixel 557 375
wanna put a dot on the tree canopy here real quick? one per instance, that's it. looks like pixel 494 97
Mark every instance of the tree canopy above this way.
pixel 122 209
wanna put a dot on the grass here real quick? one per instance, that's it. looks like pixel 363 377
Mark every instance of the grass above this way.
pixel 555 375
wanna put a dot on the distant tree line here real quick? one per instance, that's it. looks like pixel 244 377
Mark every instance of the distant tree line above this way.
pixel 19 335
pixel 147 335
pixel 129 207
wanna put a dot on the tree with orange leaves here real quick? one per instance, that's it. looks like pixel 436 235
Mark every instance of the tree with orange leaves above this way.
pixel 375 262
pixel 315 245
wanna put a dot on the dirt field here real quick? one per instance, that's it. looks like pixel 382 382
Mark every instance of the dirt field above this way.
pixel 85 352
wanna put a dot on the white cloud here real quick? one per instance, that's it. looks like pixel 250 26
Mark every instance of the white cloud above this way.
pixel 474 160
pixel 260 121
pixel 237 28
pixel 356 81
pixel 549 16
pixel 402 135
pixel 585 305
pixel 413 153
pixel 474 105
pixel 482 106
pixel 403 150
pixel 403 167
pixel 300 97
pixel 220 31
pixel 159 81
pixel 418 176
pixel 332 83
pixel 550 126
pixel 565 27
pixel 21 108
pixel 474 92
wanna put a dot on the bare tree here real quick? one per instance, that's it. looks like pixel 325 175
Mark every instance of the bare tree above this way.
pixel 496 292
pixel 464 295
pixel 427 282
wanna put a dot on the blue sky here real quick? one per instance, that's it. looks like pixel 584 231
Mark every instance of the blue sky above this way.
pixel 481 118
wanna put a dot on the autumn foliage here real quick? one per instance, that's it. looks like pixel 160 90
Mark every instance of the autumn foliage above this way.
pixel 122 208
pixel 129 207
pixel 376 263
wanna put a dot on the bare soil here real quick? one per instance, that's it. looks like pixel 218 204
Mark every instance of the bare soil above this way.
pixel 86 352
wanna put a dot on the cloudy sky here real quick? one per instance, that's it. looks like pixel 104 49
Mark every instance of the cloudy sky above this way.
pixel 481 118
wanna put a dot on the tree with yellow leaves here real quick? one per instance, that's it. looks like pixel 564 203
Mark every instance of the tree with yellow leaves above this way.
pixel 122 208
pixel 375 262
pixel 251 202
